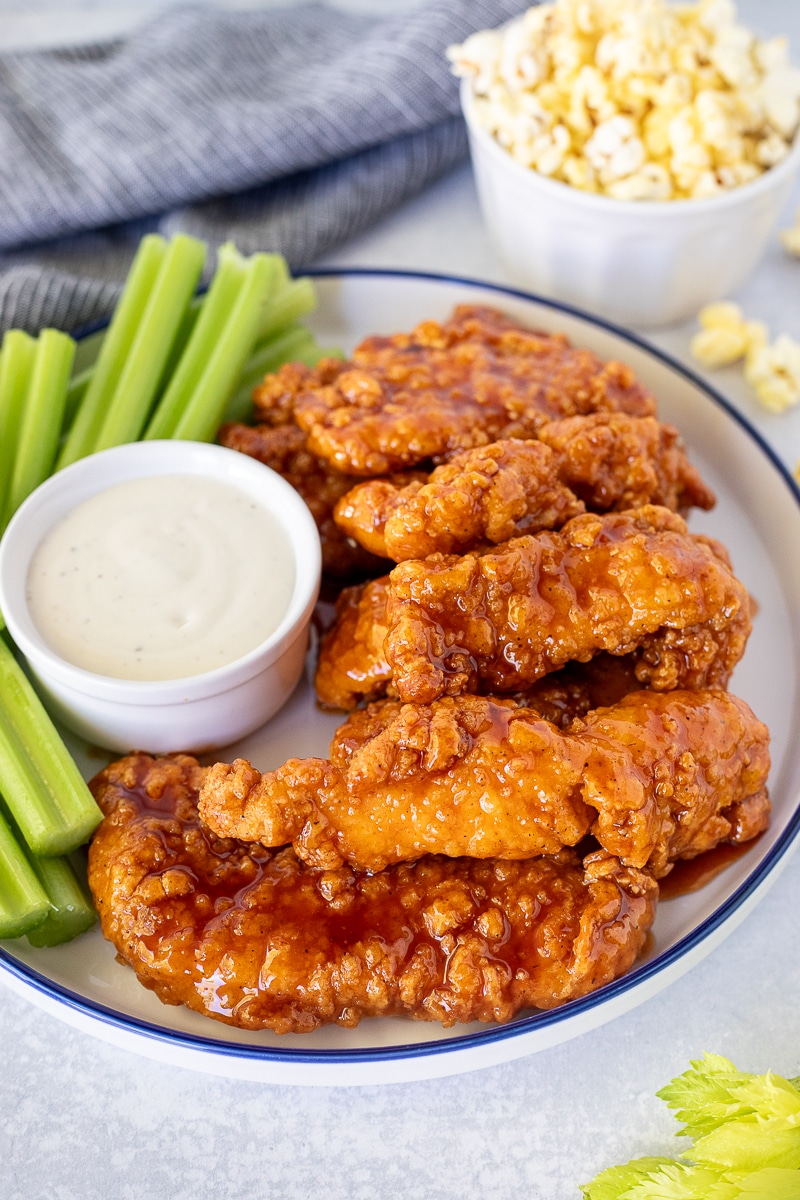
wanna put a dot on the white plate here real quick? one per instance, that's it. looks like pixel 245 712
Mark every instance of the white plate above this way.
pixel 758 517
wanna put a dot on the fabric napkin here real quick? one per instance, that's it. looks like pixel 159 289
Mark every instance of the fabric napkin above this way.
pixel 285 129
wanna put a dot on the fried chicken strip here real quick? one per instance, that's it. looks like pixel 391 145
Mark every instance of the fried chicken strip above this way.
pixel 415 396
pixel 257 940
pixel 656 777
pixel 352 667
pixel 613 461
pixel 489 494
pixel 604 461
pixel 622 582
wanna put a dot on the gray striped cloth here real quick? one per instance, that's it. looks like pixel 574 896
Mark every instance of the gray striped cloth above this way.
pixel 285 129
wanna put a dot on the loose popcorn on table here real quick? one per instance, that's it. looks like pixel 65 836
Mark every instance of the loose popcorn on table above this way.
pixel 725 336
pixel 637 99
pixel 771 369
pixel 774 372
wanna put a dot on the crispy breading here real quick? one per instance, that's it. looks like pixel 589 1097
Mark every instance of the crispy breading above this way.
pixel 352 668
pixel 258 940
pixel 489 494
pixel 613 461
pixel 621 582
pixel 650 777
pixel 603 462
pixel 444 387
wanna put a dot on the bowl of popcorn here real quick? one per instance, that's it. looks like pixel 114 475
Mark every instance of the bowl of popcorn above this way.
pixel 631 157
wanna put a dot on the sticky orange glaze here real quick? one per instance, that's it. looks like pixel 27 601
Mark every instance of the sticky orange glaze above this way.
pixel 256 939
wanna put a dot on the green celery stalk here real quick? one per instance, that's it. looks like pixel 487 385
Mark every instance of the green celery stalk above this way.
pixel 16 363
pixel 293 299
pixel 23 900
pixel 216 307
pixel 203 411
pixel 180 343
pixel 118 341
pixel 44 790
pixel 42 417
pixel 71 909
pixel 76 390
pixel 129 407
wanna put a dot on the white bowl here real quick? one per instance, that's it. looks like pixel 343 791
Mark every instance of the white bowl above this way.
pixel 635 262
pixel 194 713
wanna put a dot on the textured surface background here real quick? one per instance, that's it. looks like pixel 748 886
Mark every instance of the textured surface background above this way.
pixel 80 1120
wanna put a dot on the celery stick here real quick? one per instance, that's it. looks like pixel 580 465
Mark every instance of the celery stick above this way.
pixel 71 909
pixel 129 407
pixel 76 390
pixel 220 299
pixel 40 424
pixel 114 350
pixel 43 787
pixel 23 901
pixel 296 299
pixel 16 362
pixel 202 414
pixel 180 343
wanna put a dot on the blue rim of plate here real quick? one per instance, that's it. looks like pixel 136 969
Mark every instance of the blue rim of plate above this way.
pixel 542 1019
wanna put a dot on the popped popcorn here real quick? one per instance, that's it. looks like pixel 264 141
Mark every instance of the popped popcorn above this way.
pixel 725 336
pixel 637 99
pixel 771 368
pixel 774 372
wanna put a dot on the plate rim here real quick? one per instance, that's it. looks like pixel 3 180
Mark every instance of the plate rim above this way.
pixel 662 963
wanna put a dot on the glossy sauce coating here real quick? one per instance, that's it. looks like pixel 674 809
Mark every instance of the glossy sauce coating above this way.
pixel 444 387
pixel 620 582
pixel 653 778
pixel 258 940
pixel 601 461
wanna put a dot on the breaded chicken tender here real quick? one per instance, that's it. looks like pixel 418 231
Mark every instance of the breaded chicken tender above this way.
pixel 352 667
pixel 257 940
pixel 621 582
pixel 613 461
pixel 415 396
pixel 653 778
pixel 489 494
pixel 604 461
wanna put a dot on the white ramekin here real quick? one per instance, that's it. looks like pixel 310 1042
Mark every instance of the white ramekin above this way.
pixel 635 262
pixel 197 713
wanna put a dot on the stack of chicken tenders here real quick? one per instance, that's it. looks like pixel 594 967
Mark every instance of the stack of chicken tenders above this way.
pixel 533 653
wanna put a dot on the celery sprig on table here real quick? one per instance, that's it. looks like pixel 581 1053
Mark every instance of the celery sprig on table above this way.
pixel 747 1131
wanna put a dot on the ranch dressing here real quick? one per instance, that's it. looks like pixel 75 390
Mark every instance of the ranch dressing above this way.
pixel 161 578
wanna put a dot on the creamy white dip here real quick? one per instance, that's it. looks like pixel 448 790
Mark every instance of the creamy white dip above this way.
pixel 161 578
